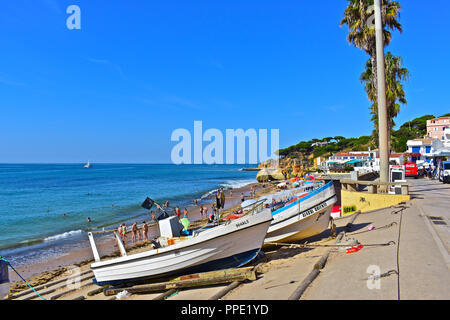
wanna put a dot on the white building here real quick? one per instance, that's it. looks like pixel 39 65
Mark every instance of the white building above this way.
pixel 421 149
pixel 446 140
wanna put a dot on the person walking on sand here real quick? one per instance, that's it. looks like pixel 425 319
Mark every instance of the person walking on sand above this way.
pixel 119 230
pixel 124 233
pixel 195 202
pixel 134 230
pixel 214 209
pixel 144 231
pixel 218 199
pixel 222 199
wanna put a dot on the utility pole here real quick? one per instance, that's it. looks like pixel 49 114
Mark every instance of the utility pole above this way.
pixel 381 97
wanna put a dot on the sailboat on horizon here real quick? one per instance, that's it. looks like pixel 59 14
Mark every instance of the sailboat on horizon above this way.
pixel 88 164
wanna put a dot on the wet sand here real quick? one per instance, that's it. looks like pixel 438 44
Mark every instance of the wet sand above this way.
pixel 57 267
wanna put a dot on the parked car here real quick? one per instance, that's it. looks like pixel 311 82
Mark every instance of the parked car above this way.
pixel 444 172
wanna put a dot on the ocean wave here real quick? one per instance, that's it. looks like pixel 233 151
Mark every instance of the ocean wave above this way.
pixel 235 184
pixel 63 235
pixel 229 184
pixel 209 193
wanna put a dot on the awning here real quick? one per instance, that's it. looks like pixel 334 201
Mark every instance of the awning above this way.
pixel 354 161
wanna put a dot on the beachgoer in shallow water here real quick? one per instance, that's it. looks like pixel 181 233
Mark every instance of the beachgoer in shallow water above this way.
pixel 144 231
pixel 185 213
pixel 153 215
pixel 166 204
pixel 195 202
pixel 88 219
pixel 134 230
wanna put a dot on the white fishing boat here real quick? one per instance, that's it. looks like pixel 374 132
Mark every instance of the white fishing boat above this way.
pixel 4 279
pixel 305 215
pixel 232 243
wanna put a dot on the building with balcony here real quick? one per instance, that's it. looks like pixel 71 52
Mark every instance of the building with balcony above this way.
pixel 436 127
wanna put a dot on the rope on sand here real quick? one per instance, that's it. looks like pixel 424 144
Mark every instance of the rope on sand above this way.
pixel 4 259
pixel 295 245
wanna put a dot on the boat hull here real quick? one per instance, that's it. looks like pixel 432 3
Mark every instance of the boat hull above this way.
pixel 304 218
pixel 221 247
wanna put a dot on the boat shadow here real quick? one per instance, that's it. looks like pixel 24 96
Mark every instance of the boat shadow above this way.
pixel 274 252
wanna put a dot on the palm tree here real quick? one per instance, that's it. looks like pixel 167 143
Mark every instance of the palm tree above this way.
pixel 395 95
pixel 359 18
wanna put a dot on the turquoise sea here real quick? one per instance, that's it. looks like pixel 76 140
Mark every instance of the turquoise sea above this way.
pixel 35 197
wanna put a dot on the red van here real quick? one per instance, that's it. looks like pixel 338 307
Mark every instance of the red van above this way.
pixel 411 170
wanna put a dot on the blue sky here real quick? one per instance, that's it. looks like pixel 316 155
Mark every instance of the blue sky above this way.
pixel 115 90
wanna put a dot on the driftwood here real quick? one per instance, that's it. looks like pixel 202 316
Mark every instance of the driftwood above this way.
pixel 190 281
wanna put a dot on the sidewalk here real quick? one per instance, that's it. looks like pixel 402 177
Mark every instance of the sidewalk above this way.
pixel 419 255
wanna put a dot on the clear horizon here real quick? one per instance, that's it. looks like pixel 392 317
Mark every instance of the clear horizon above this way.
pixel 115 90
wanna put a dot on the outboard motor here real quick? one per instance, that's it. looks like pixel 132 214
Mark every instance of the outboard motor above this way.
pixel 4 280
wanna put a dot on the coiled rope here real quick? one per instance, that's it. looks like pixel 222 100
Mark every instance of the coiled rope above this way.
pixel 7 262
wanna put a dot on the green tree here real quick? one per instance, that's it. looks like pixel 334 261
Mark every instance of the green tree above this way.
pixel 395 94
pixel 359 17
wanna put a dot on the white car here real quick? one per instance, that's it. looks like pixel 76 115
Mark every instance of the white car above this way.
pixel 444 171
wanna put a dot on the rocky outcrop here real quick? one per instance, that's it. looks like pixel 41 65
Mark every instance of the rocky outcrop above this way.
pixel 271 170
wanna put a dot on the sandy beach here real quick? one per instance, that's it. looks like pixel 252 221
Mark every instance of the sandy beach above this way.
pixel 42 272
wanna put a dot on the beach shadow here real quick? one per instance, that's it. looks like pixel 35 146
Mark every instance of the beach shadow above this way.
pixel 274 252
